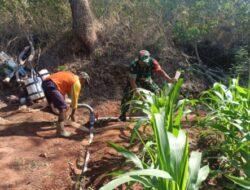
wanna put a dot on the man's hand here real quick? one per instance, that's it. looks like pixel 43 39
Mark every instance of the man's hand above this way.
pixel 166 77
pixel 136 92
pixel 72 117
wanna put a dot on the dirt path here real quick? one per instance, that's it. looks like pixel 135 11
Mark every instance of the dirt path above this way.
pixel 32 157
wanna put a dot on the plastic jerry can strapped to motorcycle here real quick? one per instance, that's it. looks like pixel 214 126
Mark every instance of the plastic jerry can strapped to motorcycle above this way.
pixel 7 63
pixel 8 69
pixel 34 88
pixel 4 57
pixel 9 66
pixel 44 73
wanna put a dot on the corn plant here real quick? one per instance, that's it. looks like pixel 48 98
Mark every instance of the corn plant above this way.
pixel 165 164
pixel 165 103
pixel 229 112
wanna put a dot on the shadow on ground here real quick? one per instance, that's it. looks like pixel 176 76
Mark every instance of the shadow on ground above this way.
pixel 41 129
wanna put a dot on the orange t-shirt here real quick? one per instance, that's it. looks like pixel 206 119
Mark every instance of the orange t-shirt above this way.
pixel 64 81
pixel 67 83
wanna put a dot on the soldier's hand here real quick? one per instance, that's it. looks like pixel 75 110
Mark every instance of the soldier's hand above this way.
pixel 137 92
pixel 173 80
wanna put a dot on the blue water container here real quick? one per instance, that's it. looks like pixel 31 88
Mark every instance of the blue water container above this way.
pixel 9 66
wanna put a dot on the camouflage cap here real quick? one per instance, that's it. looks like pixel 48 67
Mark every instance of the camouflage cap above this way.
pixel 144 56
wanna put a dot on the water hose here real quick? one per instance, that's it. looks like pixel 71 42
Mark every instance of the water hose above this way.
pixel 92 120
pixel 91 137
pixel 127 118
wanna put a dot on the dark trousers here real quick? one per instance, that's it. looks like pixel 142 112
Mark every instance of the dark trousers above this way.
pixel 53 95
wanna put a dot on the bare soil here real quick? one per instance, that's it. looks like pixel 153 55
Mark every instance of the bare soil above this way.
pixel 33 157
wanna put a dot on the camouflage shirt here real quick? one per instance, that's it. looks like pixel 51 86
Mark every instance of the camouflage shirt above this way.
pixel 139 73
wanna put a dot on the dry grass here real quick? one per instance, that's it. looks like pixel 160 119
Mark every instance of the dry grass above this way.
pixel 121 27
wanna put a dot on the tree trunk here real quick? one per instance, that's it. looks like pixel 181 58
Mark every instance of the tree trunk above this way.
pixel 84 27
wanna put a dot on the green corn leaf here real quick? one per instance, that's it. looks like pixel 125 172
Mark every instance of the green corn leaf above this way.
pixel 239 127
pixel 196 174
pixel 220 128
pixel 161 138
pixel 177 122
pixel 117 182
pixel 203 173
pixel 126 153
pixel 183 171
pixel 178 154
pixel 135 129
pixel 241 90
pixel 145 181
pixel 115 173
pixel 239 181
pixel 173 98
pixel 219 95
pixel 149 148
pixel 176 92
pixel 245 145
pixel 194 166
pixel 127 177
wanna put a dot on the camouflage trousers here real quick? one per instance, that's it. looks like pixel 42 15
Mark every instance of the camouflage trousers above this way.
pixel 128 93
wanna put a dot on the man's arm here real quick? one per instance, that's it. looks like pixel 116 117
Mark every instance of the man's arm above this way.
pixel 163 74
pixel 74 95
pixel 132 76
pixel 157 69
pixel 133 86
pixel 132 83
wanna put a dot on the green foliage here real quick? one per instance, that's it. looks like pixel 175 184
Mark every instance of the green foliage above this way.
pixel 241 66
pixel 165 103
pixel 62 68
pixel 198 20
pixel 130 24
pixel 230 113
pixel 195 20
pixel 164 162
pixel 169 167
pixel 241 182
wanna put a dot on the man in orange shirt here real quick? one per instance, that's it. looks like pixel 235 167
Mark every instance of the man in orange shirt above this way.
pixel 56 86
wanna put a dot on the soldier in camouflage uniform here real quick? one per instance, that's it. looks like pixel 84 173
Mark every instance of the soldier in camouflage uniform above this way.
pixel 140 72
